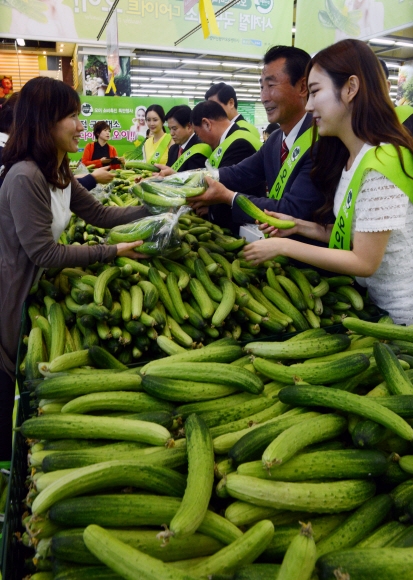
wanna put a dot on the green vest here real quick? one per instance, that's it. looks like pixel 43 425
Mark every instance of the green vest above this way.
pixel 216 156
pixel 300 146
pixel 404 112
pixel 160 150
pixel 201 148
pixel 249 127
pixel 385 160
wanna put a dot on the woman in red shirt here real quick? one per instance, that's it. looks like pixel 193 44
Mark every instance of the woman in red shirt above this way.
pixel 99 152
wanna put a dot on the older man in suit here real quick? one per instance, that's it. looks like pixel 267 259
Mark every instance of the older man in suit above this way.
pixel 284 161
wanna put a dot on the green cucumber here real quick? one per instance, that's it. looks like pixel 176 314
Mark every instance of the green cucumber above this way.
pixel 311 348
pixel 115 401
pixel 184 391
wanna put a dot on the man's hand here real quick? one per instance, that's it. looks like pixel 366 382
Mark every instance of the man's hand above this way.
pixel 216 193
pixel 127 250
pixel 165 170
pixel 103 175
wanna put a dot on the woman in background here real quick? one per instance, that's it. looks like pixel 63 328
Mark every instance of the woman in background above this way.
pixel 364 167
pixel 37 198
pixel 157 145
pixel 99 152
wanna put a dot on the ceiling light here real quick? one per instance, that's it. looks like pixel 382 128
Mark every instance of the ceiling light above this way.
pixel 216 74
pixel 246 76
pixel 201 61
pixel 240 64
pixel 19 51
pixel 181 72
pixel 199 81
pixel 152 86
pixel 20 41
pixel 410 44
pixel 62 45
pixel 394 77
pixel 158 59
pixel 161 79
pixel 140 78
pixel 146 70
pixel 393 65
pixel 244 84
pixel 293 30
pixel 383 41
pixel 61 50
pixel 44 52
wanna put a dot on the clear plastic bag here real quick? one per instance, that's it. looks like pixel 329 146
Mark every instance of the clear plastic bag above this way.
pixel 80 169
pixel 159 233
pixel 169 193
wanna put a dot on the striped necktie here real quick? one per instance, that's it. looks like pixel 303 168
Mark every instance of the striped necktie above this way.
pixel 284 152
pixel 180 151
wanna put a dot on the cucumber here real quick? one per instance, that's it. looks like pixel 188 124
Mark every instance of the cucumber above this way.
pixel 78 426
pixel 110 474
pixel 311 348
pixel 69 545
pixel 226 304
pixel 243 551
pixel 156 279
pixel 251 445
pixel 101 358
pixel 295 438
pixel 382 331
pixel 83 573
pixel 301 555
pixel 219 373
pixel 200 480
pixel 222 404
pixel 70 385
pixel 340 464
pixel 257 572
pixel 119 401
pixel 202 274
pixel 363 521
pixel 329 497
pixel 223 353
pixel 202 298
pixel 184 391
pixel 316 372
pixel 396 378
pixel 248 207
pixel 261 417
pixel 348 402
pixel 175 294
pixel 57 329
pixel 241 513
pixel 368 563
pixel 236 412
pixel 34 354
pixel 382 535
pixel 125 560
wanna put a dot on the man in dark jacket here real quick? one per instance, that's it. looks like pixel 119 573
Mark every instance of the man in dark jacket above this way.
pixel 284 162
pixel 187 153
pixel 230 144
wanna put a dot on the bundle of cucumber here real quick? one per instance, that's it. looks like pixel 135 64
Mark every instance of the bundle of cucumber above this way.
pixel 201 291
pixel 285 449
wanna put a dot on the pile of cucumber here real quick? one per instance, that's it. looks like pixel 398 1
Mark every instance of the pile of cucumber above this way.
pixel 196 293
pixel 123 461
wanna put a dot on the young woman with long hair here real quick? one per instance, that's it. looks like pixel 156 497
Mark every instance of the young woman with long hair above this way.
pixel 157 144
pixel 364 167
pixel 37 198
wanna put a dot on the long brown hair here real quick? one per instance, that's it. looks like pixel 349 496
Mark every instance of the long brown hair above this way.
pixel 373 120
pixel 41 104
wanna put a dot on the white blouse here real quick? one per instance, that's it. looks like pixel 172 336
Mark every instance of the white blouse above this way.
pixel 60 206
pixel 382 206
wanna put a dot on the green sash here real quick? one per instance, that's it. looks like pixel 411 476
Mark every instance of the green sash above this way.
pixel 249 127
pixel 300 146
pixel 404 112
pixel 385 160
pixel 202 148
pixel 216 157
pixel 160 150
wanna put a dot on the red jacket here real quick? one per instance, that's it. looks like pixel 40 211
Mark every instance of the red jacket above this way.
pixel 88 152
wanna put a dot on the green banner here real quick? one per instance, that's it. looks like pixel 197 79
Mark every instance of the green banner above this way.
pixel 247 29
pixel 320 23
pixel 122 115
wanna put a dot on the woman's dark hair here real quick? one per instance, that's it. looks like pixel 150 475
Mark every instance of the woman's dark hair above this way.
pixel 159 111
pixel 42 102
pixel 373 118
pixel 99 127
pixel 6 113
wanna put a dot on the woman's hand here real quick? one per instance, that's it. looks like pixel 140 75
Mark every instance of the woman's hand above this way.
pixel 127 250
pixel 103 175
pixel 274 232
pixel 262 250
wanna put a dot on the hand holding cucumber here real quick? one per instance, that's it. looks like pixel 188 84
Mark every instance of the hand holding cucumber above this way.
pixel 262 250
pixel 272 231
pixel 127 250
pixel 216 193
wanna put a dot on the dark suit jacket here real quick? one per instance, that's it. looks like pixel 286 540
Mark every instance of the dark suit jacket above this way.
pixel 238 151
pixel 196 161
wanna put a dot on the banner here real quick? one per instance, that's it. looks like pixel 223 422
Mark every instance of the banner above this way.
pixel 320 23
pixel 97 76
pixel 247 29
pixel 405 86
pixel 6 86
pixel 124 115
